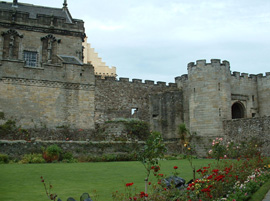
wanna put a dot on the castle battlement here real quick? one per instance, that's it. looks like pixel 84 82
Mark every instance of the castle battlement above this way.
pixel 214 63
pixel 239 75
pixel 136 81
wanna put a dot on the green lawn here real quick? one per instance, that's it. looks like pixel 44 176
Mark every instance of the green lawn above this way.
pixel 21 182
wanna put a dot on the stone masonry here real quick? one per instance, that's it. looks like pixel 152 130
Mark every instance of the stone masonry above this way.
pixel 44 84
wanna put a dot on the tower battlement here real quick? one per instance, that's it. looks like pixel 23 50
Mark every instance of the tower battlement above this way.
pixel 214 63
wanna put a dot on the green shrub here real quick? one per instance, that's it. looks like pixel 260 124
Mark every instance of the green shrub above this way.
pixel 52 153
pixel 32 158
pixel 8 126
pixel 68 158
pixel 3 158
pixel 2 115
pixel 139 129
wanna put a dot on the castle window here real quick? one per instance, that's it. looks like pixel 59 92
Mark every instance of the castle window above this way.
pixel 30 58
pixel 219 86
pixel 11 42
pixel 49 49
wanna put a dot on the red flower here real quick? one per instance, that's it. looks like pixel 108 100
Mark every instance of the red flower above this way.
pixel 149 183
pixel 215 170
pixel 210 177
pixel 134 198
pixel 129 184
pixel 165 189
pixel 42 180
pixel 160 175
pixel 175 167
pixel 199 170
pixel 145 195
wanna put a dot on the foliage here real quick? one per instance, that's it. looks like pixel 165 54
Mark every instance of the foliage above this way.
pixel 139 129
pixel 2 115
pixel 154 150
pixel 8 126
pixel 188 149
pixel 68 158
pixel 4 158
pixel 247 148
pixel 108 158
pixel 52 153
pixel 32 158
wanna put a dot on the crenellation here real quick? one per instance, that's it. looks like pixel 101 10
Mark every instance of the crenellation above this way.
pixel 136 81
pixel 190 64
pixel 226 63
pixel 215 62
pixel 201 62
pixel 149 82
pixel 160 83
pixel 123 79
pixel 252 76
pixel 236 74
pixel 260 75
pixel 267 74
pixel 244 75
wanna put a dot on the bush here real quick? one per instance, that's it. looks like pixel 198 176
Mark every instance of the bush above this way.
pixel 52 153
pixel 3 158
pixel 68 158
pixel 137 129
pixel 32 158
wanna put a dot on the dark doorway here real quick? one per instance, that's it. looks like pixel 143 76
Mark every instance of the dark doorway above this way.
pixel 238 110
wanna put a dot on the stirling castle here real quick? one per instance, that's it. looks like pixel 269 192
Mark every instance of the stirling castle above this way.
pixel 45 84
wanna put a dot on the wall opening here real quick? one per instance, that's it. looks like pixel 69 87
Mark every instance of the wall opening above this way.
pixel 238 110
pixel 134 112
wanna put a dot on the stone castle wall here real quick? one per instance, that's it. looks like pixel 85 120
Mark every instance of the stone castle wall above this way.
pixel 242 129
pixel 158 104
pixel 50 97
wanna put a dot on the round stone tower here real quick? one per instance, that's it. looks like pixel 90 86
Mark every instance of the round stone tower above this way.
pixel 209 95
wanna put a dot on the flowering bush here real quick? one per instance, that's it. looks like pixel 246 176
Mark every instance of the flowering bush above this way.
pixel 226 180
pixel 222 149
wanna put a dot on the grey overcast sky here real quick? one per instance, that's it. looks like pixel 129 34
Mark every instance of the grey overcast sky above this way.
pixel 156 39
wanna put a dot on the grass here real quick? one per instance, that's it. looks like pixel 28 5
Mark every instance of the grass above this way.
pixel 260 194
pixel 21 182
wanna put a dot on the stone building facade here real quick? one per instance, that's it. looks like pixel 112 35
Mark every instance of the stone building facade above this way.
pixel 44 83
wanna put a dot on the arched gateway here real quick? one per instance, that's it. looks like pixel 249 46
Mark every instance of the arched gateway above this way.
pixel 238 110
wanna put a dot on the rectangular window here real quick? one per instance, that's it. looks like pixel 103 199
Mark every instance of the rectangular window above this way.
pixel 30 58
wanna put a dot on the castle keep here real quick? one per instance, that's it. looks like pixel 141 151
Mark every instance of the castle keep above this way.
pixel 44 84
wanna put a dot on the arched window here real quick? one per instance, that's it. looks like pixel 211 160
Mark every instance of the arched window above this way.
pixel 11 44
pixel 49 49
pixel 238 110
